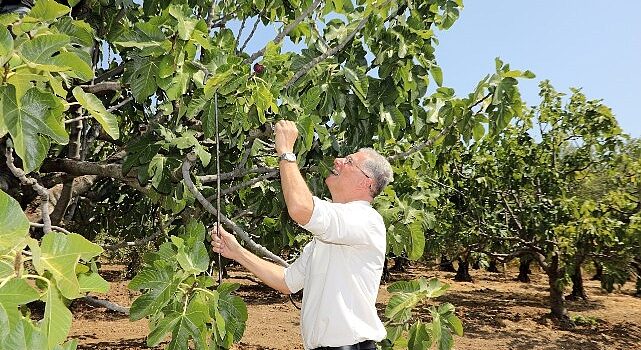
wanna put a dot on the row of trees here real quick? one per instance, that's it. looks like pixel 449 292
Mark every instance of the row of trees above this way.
pixel 558 187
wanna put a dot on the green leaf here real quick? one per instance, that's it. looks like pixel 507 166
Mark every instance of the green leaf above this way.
pixel 359 82
pixel 24 336
pixel 437 74
pixel 185 26
pixel 143 78
pixel 95 107
pixel 60 255
pixel 417 245
pixel 400 306
pixel 311 98
pixel 14 225
pixel 57 318
pixel 40 52
pixel 6 45
pixel 193 259
pixel 37 113
pixel 234 311
pixel 46 10
pixel 419 337
pixel 161 283
pixel 14 293
pixel 79 32
pixel 78 66
pixel 6 268
pixel 92 282
pixel 435 288
pixel 455 324
pixel 160 329
pixel 263 99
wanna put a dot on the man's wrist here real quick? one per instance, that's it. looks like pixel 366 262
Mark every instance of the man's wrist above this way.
pixel 287 156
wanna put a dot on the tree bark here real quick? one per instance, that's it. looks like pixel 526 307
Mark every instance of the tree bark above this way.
pixel 638 292
pixel 493 266
pixel 524 269
pixel 599 271
pixel 463 272
pixel 400 264
pixel 446 264
pixel 555 281
pixel 578 290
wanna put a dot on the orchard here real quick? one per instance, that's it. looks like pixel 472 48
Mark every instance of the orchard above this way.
pixel 122 122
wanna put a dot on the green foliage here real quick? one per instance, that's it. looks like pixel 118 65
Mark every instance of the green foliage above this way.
pixel 178 298
pixel 65 269
pixel 406 330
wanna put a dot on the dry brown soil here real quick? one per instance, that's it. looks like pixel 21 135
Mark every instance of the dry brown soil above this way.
pixel 497 313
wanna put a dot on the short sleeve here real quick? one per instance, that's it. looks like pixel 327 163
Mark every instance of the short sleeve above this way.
pixel 295 273
pixel 343 223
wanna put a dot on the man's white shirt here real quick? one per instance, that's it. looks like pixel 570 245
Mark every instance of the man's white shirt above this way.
pixel 340 270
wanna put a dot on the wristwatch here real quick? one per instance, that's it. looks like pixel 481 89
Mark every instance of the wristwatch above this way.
pixel 288 156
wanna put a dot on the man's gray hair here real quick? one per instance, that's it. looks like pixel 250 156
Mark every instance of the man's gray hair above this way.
pixel 378 168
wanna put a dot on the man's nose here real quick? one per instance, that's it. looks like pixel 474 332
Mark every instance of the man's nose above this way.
pixel 339 162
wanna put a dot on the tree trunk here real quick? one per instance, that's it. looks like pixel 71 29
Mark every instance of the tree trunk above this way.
pixel 524 269
pixel 446 264
pixel 463 272
pixel 555 280
pixel 638 292
pixel 599 271
pixel 578 291
pixel 493 266
pixel 400 264
pixel 387 276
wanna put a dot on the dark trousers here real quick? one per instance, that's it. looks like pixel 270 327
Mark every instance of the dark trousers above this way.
pixel 364 345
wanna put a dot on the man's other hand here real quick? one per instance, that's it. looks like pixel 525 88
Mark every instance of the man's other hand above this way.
pixel 286 135
pixel 226 244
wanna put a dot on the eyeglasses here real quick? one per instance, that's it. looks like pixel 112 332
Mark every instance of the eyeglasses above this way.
pixel 349 160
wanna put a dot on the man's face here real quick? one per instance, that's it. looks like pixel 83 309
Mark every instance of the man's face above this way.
pixel 348 175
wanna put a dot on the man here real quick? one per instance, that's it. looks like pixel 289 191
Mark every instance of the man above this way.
pixel 340 269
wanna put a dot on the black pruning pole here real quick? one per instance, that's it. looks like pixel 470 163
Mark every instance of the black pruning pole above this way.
pixel 220 266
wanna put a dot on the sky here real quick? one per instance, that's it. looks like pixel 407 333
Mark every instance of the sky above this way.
pixel 588 44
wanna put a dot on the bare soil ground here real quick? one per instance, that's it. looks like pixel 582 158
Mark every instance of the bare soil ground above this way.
pixel 497 313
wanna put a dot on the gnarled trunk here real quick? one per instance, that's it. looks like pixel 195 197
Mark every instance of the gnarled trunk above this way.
pixel 598 274
pixel 555 280
pixel 446 264
pixel 524 269
pixel 578 291
pixel 463 272
pixel 493 266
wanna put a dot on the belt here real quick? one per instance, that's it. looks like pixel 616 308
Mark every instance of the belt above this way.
pixel 364 345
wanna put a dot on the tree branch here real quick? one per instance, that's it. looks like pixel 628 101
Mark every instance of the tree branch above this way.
pixel 106 304
pixel 103 86
pixel 234 174
pixel 53 227
pixel 247 183
pixel 110 73
pixel 421 145
pixel 122 103
pixel 251 34
pixel 285 30
pixel 255 247
pixel 307 67
pixel 41 190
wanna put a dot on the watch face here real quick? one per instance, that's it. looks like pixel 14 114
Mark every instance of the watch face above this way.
pixel 290 157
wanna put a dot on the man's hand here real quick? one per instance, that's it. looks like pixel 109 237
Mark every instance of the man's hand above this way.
pixel 226 244
pixel 286 135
